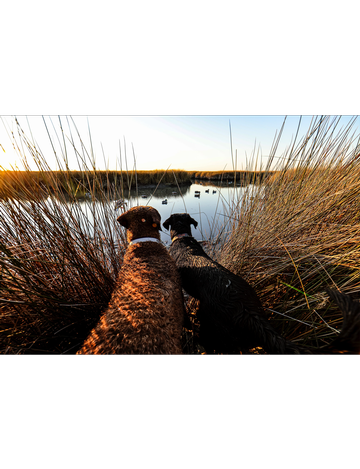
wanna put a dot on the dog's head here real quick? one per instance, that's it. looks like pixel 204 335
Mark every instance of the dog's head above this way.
pixel 140 222
pixel 179 223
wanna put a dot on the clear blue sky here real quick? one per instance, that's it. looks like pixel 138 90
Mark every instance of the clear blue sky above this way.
pixel 181 142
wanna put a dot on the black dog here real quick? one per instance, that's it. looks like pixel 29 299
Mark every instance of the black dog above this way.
pixel 348 341
pixel 231 316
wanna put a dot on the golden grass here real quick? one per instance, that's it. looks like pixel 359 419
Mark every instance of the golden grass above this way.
pixel 80 182
pixel 300 233
pixel 241 177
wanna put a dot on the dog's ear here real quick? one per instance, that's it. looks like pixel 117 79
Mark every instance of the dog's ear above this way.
pixel 193 222
pixel 167 223
pixel 123 220
pixel 156 219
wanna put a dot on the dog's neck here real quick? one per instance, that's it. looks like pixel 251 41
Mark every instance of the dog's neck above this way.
pixel 144 240
pixel 182 235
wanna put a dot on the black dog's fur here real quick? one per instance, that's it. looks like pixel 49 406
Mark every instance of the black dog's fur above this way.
pixel 348 341
pixel 231 316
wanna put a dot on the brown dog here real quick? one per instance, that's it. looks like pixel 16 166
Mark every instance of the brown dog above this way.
pixel 146 311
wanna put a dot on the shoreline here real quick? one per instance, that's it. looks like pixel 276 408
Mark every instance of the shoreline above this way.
pixel 79 183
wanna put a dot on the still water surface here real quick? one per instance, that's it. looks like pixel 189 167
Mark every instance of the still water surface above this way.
pixel 211 208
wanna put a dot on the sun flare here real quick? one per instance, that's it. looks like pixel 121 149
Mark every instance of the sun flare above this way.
pixel 7 161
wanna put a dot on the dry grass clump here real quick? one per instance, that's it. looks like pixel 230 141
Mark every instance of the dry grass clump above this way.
pixel 300 233
pixel 59 258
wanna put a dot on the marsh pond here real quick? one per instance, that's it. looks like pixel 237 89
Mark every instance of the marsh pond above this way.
pixel 210 205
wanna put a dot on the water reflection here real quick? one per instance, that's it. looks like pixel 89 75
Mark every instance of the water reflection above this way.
pixel 210 205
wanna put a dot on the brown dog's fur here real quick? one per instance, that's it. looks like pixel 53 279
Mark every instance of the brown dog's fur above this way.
pixel 146 310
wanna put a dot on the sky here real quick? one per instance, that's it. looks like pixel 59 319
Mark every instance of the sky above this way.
pixel 199 143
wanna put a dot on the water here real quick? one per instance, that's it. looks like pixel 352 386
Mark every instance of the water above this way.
pixel 211 209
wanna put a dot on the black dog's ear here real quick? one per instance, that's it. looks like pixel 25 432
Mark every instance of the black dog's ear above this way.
pixel 192 221
pixel 123 220
pixel 167 223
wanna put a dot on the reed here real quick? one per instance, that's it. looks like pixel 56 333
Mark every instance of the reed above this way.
pixel 58 258
pixel 78 183
pixel 299 232
pixel 240 177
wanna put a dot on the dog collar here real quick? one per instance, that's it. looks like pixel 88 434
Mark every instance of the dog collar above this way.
pixel 182 235
pixel 144 240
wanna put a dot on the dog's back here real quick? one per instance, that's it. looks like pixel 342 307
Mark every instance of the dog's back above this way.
pixel 200 273
pixel 145 313
pixel 230 314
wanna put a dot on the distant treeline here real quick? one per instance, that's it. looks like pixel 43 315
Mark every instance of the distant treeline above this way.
pixel 80 182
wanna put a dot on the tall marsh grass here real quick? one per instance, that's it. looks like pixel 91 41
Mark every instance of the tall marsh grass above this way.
pixel 241 177
pixel 79 183
pixel 58 258
pixel 299 233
